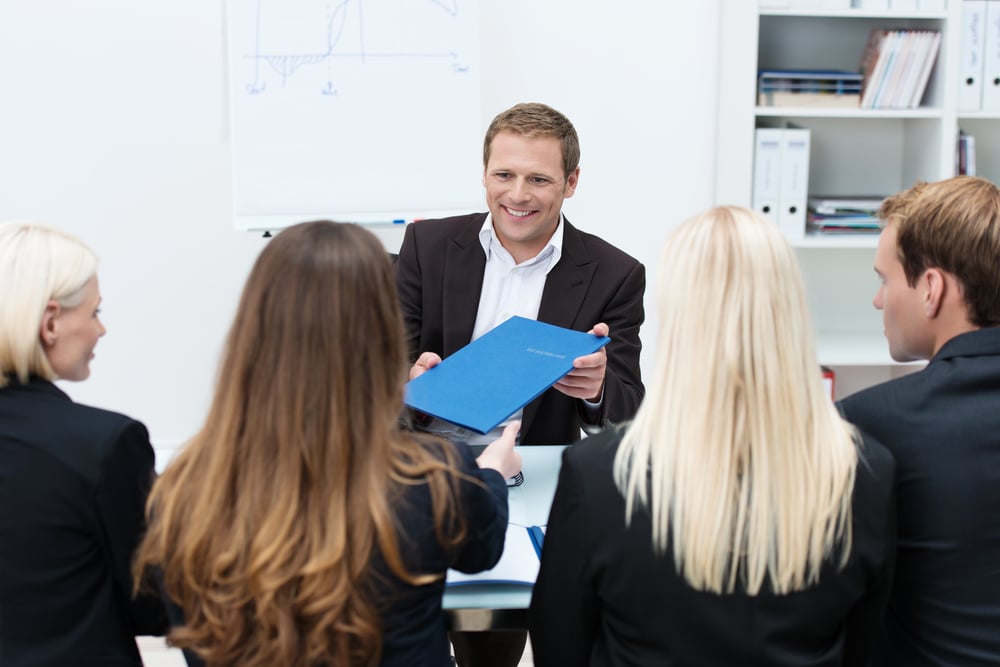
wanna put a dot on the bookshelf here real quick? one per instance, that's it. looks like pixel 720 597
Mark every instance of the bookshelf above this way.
pixel 854 151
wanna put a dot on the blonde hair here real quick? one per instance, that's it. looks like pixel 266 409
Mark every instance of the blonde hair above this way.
pixel 266 525
pixel 737 450
pixel 38 264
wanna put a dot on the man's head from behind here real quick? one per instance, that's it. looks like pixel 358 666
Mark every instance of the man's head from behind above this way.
pixel 939 262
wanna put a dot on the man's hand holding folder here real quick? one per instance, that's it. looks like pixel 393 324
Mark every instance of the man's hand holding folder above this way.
pixel 586 380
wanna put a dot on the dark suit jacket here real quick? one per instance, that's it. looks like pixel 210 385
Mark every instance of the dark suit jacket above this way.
pixel 943 426
pixel 439 274
pixel 414 625
pixel 73 485
pixel 604 598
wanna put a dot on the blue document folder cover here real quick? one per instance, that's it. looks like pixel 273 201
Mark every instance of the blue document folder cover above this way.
pixel 500 372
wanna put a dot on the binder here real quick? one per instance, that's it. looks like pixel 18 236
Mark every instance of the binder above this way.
pixel 970 58
pixel 500 372
pixel 767 171
pixel 991 58
pixel 794 188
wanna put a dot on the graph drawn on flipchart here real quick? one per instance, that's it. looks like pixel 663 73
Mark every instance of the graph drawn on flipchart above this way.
pixel 355 109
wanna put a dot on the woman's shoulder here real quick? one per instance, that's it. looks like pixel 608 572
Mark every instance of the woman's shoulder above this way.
pixel 593 458
pixel 874 458
pixel 82 437
pixel 44 398
pixel 106 428
pixel 599 447
pixel 875 478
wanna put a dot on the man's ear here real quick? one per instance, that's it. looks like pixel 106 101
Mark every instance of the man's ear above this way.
pixel 934 285
pixel 571 181
pixel 49 329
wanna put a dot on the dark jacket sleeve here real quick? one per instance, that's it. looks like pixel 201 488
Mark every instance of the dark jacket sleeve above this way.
pixel 564 611
pixel 410 289
pixel 623 388
pixel 127 474
pixel 484 505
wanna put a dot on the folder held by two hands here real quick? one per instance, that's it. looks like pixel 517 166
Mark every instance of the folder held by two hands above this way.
pixel 500 372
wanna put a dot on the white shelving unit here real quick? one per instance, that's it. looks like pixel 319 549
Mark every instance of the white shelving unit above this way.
pixel 853 151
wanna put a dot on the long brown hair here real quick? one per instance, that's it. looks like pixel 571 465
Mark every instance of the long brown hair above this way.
pixel 265 525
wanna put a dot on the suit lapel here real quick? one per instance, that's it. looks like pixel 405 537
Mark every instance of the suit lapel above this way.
pixel 565 289
pixel 567 283
pixel 464 266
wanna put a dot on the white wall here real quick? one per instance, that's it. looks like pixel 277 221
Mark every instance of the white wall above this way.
pixel 113 126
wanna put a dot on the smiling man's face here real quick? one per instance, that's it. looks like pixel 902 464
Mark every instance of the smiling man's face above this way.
pixel 525 189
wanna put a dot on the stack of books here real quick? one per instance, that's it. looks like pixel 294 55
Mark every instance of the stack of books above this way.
pixel 844 214
pixel 897 65
pixel 808 88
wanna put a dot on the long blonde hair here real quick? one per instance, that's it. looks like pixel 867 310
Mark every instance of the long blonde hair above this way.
pixel 265 526
pixel 737 450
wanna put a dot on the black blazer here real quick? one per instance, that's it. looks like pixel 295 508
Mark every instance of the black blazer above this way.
pixel 604 598
pixel 943 426
pixel 413 621
pixel 73 485
pixel 439 274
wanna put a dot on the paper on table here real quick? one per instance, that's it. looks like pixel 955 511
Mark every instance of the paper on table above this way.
pixel 517 565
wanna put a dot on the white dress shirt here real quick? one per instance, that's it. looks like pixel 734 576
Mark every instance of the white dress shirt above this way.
pixel 509 289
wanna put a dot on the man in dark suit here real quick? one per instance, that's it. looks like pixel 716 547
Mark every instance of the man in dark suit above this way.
pixel 459 277
pixel 938 260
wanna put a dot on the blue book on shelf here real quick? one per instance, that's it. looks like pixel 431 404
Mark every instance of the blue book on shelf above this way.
pixel 500 372
pixel 809 81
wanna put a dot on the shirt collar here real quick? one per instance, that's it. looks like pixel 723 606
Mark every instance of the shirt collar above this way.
pixel 550 254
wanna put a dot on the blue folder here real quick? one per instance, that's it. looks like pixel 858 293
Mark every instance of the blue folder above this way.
pixel 500 372
pixel 537 534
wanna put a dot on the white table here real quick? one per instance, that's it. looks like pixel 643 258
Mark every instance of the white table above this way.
pixel 505 606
